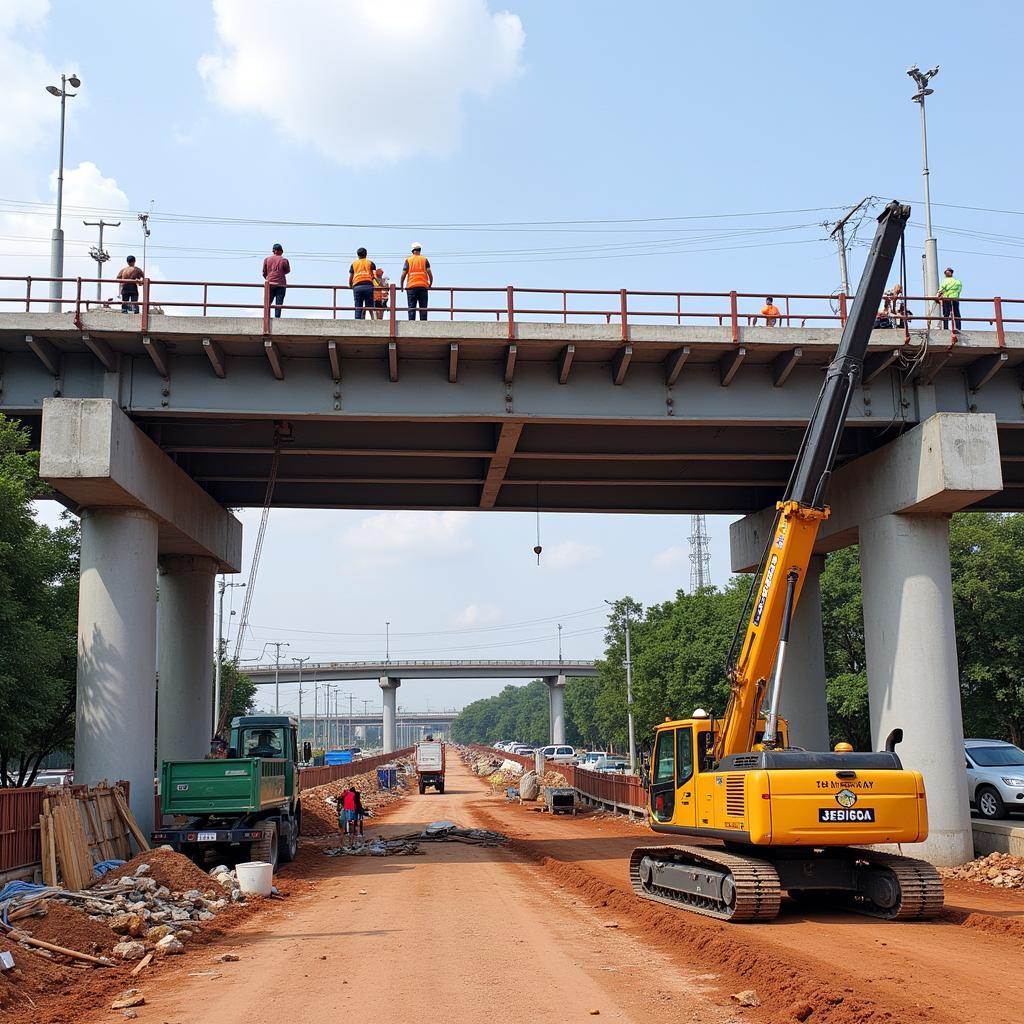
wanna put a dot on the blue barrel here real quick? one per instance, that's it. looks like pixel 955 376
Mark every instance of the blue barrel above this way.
pixel 387 778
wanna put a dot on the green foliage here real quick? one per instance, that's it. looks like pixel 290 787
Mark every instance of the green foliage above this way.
pixel 38 618
pixel 517 713
pixel 238 694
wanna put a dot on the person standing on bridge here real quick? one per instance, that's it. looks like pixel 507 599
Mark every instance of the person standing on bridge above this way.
pixel 949 296
pixel 360 280
pixel 381 288
pixel 275 267
pixel 770 312
pixel 417 280
pixel 129 276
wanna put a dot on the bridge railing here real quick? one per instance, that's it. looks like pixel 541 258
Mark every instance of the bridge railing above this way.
pixel 508 304
pixel 317 666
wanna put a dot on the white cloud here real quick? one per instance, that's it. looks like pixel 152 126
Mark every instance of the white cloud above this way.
pixel 476 615
pixel 387 539
pixel 570 554
pixel 671 558
pixel 362 83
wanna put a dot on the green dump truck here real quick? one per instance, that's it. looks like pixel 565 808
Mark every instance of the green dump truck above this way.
pixel 245 806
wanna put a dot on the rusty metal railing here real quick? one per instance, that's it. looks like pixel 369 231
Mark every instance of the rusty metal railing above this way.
pixel 310 777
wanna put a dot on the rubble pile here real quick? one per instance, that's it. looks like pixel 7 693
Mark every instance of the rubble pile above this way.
pixel 152 904
pixel 1002 870
pixel 31 975
pixel 505 774
pixel 320 804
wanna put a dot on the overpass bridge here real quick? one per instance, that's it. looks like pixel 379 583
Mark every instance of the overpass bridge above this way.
pixel 153 424
pixel 391 673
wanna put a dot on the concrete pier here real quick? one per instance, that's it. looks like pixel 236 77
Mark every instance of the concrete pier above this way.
pixel 116 700
pixel 556 708
pixel 185 689
pixel 913 681
pixel 389 685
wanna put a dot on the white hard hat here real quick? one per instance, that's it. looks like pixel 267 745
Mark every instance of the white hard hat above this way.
pixel 415 246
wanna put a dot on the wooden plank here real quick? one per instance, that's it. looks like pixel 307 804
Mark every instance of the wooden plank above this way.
pixel 129 819
pixel 143 963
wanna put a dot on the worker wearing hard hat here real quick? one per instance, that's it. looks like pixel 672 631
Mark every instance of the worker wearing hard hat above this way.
pixel 417 280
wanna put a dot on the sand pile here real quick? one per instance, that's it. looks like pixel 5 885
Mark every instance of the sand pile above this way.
pixel 71 928
pixel 166 868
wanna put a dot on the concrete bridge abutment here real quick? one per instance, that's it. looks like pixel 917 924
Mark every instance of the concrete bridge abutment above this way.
pixel 137 507
pixel 896 504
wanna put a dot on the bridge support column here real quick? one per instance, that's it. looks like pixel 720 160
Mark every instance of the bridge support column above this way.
pixel 185 693
pixel 135 503
pixel 116 701
pixel 390 685
pixel 804 703
pixel 913 679
pixel 556 708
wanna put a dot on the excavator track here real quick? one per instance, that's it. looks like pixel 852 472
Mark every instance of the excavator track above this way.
pixel 911 889
pixel 752 886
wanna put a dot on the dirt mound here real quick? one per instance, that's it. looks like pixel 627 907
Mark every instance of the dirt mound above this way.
pixel 32 976
pixel 72 928
pixel 1002 870
pixel 166 867
pixel 320 818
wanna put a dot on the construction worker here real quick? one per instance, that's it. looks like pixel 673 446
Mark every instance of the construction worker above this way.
pixel 360 280
pixel 417 280
pixel 381 288
pixel 275 269
pixel 129 276
pixel 949 295
pixel 770 312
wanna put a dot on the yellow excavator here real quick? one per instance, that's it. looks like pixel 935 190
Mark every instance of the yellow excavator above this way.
pixel 790 819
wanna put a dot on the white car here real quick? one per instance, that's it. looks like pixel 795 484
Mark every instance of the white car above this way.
pixel 590 758
pixel 562 754
pixel 995 776
pixel 522 750
pixel 611 763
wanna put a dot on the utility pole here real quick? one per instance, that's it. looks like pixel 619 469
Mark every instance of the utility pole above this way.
pixel 839 234
pixel 387 641
pixel 629 702
pixel 144 217
pixel 559 643
pixel 931 252
pixel 57 238
pixel 351 738
pixel 222 586
pixel 277 674
pixel 300 662
pixel 98 253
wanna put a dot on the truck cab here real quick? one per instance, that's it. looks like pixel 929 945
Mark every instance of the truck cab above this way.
pixel 246 803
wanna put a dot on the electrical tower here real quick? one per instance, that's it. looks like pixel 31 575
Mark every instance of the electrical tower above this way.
pixel 700 555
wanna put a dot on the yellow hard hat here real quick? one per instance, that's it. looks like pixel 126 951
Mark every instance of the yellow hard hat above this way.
pixel 844 748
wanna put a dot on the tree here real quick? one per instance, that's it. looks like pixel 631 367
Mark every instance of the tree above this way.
pixel 38 618
pixel 238 694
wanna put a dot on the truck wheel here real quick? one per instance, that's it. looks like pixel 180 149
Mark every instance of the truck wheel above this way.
pixel 990 803
pixel 265 849
pixel 288 848
pixel 440 786
pixel 423 787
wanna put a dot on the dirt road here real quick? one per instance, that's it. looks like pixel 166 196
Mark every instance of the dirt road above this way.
pixel 546 932
pixel 482 934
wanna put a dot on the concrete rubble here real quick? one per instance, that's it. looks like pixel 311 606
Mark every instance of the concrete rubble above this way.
pixel 408 845
pixel 1002 870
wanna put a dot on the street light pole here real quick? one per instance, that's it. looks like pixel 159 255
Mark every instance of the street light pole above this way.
pixel 931 252
pixel 57 238
pixel 629 692
pixel 222 586
pixel 300 662
pixel 277 674
pixel 387 641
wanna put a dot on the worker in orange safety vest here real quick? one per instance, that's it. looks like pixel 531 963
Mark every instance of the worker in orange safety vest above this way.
pixel 360 280
pixel 417 280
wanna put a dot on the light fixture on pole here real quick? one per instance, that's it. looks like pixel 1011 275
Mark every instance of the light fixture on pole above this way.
pixel 931 253
pixel 277 674
pixel 559 643
pixel 629 691
pixel 57 238
pixel 98 253
pixel 221 587
pixel 387 641
pixel 144 218
pixel 300 662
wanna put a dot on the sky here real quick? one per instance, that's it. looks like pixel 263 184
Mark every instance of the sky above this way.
pixel 534 143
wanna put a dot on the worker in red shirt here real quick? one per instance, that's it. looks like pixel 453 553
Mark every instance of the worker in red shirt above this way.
pixel 416 273
pixel 275 267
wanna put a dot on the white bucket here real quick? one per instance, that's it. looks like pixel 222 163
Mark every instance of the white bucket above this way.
pixel 255 877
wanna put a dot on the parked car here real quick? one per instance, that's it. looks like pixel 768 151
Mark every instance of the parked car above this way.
pixel 590 757
pixel 560 753
pixel 522 750
pixel 611 764
pixel 995 776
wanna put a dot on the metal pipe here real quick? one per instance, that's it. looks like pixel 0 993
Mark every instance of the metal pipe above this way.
pixel 772 725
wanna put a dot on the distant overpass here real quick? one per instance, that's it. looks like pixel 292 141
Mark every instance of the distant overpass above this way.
pixel 330 671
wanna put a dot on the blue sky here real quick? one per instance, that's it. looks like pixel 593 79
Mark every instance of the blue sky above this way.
pixel 428 115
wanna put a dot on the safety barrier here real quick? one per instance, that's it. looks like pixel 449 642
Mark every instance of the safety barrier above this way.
pixel 508 304
pixel 19 826
pixel 310 777
pixel 622 793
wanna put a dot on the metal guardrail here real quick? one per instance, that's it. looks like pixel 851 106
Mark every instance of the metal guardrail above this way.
pixel 622 793
pixel 510 305
pixel 438 663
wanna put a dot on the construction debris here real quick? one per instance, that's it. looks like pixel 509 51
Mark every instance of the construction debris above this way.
pixel 1002 870
pixel 408 845
pixel 130 997
pixel 320 804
